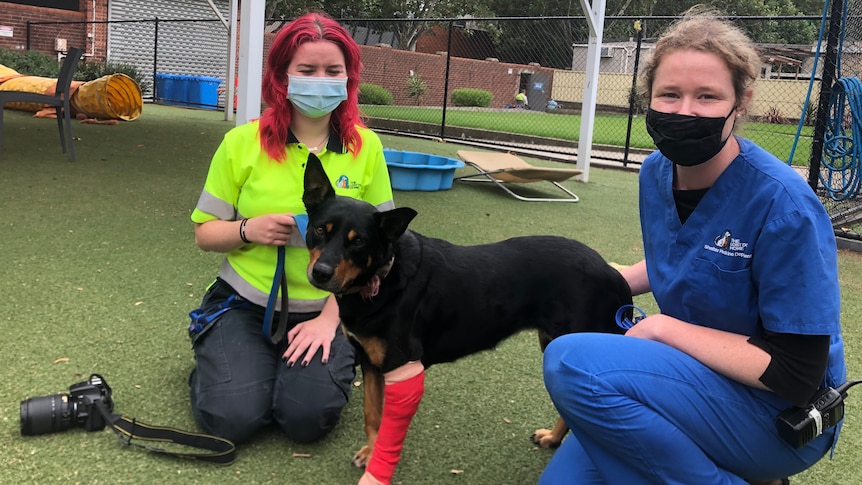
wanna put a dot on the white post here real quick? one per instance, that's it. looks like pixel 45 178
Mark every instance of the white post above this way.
pixel 596 18
pixel 250 60
pixel 230 77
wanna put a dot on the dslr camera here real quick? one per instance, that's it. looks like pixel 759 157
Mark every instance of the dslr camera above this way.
pixel 59 412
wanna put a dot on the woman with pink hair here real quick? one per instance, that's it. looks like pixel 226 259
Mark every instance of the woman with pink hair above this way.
pixel 251 205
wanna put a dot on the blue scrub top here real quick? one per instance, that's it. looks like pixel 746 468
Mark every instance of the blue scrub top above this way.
pixel 758 252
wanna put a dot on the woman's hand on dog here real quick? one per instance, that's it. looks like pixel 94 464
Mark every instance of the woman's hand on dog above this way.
pixel 305 338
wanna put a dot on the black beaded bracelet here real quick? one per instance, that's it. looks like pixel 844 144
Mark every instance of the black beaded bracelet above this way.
pixel 242 231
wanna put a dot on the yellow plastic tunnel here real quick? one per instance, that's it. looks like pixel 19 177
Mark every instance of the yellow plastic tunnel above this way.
pixel 115 96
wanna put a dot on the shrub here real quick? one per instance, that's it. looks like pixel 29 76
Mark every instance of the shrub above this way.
pixel 374 94
pixel 91 70
pixel 416 87
pixel 773 115
pixel 30 63
pixel 471 97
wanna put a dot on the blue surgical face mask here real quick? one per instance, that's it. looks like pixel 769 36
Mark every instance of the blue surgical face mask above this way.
pixel 316 96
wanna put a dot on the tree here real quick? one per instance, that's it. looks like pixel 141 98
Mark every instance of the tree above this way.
pixel 520 42
pixel 418 13
pixel 288 9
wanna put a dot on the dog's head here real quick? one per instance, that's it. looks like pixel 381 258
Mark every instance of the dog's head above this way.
pixel 349 240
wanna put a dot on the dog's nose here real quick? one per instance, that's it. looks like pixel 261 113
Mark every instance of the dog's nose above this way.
pixel 322 272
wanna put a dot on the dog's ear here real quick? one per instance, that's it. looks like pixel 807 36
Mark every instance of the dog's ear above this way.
pixel 317 187
pixel 393 223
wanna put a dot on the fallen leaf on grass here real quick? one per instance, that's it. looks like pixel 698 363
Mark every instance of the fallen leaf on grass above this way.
pixel 139 303
pixel 507 420
pixel 302 455
pixel 61 359
pixel 456 472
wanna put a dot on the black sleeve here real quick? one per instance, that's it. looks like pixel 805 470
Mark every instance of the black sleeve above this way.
pixel 798 364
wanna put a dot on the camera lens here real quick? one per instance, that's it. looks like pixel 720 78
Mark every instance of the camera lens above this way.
pixel 46 414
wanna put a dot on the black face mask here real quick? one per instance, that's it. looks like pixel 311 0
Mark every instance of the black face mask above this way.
pixel 686 140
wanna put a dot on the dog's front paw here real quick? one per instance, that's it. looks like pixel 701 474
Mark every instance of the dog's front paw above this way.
pixel 546 439
pixel 362 457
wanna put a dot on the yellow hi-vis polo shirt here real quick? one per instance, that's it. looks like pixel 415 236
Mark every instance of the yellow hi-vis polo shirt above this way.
pixel 244 182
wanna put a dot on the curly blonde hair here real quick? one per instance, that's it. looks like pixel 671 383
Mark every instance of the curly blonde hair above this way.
pixel 702 30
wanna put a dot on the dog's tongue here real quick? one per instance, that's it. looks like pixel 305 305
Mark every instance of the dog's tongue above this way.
pixel 371 288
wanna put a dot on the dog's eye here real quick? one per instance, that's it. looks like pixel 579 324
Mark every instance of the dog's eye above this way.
pixel 358 242
pixel 319 230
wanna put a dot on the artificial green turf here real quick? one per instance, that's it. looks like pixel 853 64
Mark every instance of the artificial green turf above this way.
pixel 99 271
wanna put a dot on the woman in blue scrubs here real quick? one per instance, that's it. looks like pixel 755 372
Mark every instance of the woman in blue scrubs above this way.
pixel 740 256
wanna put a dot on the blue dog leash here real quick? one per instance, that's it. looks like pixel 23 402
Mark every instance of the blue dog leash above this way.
pixel 623 322
pixel 202 320
pixel 280 280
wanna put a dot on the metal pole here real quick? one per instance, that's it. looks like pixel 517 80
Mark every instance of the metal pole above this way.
pixel 826 79
pixel 446 80
pixel 155 59
pixel 633 92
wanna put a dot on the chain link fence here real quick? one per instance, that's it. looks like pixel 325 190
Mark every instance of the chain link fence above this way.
pixel 835 168
pixel 548 59
pixel 458 79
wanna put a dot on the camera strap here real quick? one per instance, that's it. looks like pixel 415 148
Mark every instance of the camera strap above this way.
pixel 220 450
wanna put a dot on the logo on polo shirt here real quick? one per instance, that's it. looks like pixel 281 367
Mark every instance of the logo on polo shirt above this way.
pixel 344 183
pixel 727 245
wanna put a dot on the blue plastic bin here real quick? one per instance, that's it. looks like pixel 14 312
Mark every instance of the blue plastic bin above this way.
pixel 166 88
pixel 203 91
pixel 172 88
pixel 182 83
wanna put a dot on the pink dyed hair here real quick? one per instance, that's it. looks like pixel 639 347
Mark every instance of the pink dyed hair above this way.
pixel 275 120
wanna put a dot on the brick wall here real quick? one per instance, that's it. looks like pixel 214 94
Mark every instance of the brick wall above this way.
pixel 384 66
pixel 390 68
pixel 16 16
pixel 98 45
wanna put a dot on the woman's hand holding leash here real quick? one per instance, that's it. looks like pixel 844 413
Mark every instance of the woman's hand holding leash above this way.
pixel 270 229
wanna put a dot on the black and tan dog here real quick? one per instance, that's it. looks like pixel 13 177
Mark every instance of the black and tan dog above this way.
pixel 405 297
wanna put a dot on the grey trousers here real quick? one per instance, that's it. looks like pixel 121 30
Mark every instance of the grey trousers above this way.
pixel 240 383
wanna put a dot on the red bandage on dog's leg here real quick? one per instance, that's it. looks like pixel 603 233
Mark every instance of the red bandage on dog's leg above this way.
pixel 400 402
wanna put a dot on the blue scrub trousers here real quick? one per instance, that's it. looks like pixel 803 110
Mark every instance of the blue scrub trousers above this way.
pixel 240 383
pixel 643 412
